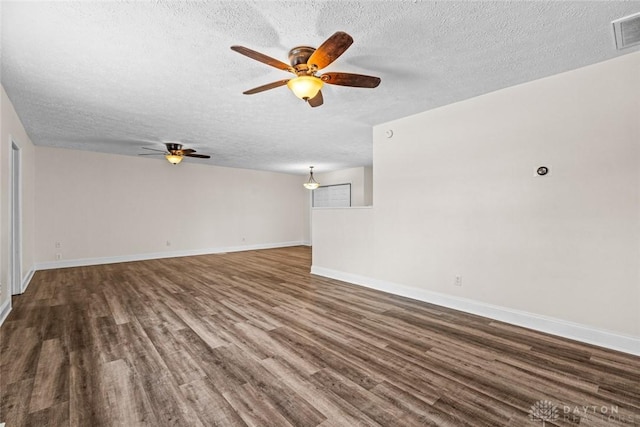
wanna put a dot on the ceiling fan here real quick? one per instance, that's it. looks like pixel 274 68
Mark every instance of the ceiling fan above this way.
pixel 174 153
pixel 305 62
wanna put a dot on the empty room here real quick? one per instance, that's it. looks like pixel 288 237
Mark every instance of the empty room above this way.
pixel 320 213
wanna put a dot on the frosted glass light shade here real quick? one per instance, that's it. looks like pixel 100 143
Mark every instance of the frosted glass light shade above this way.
pixel 174 159
pixel 305 87
pixel 311 185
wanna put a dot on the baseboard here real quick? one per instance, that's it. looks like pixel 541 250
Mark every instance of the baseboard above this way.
pixel 550 325
pixel 158 255
pixel 26 280
pixel 5 309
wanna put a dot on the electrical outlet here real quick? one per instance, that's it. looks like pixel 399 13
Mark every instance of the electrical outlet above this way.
pixel 458 281
pixel 168 243
pixel 58 256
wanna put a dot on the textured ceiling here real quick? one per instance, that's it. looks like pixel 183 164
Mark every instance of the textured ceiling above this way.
pixel 116 76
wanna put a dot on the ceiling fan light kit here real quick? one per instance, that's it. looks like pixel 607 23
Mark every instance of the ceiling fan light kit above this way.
pixel 174 159
pixel 305 62
pixel 311 183
pixel 305 87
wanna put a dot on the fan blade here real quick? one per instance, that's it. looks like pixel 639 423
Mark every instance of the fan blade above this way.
pixel 266 87
pixel 187 151
pixel 330 50
pixel 200 156
pixel 262 58
pixel 353 80
pixel 154 149
pixel 317 100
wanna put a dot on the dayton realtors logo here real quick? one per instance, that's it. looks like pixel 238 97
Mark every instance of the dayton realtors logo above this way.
pixel 575 414
pixel 545 411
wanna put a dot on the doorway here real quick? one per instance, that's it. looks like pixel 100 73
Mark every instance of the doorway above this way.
pixel 16 220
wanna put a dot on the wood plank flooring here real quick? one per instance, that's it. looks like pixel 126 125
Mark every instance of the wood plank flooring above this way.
pixel 253 339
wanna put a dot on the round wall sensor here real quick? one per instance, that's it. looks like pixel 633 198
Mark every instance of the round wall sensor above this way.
pixel 389 133
pixel 542 170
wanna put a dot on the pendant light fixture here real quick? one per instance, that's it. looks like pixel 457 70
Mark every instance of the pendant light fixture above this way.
pixel 311 184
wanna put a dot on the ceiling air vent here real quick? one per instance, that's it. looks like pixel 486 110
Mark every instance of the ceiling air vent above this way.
pixel 627 31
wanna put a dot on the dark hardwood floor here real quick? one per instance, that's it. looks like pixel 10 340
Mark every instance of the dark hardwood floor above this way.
pixel 252 339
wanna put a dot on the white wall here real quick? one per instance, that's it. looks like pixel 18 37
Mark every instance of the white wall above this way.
pixel 306 214
pixel 101 206
pixel 349 234
pixel 11 129
pixel 455 195
pixel 368 186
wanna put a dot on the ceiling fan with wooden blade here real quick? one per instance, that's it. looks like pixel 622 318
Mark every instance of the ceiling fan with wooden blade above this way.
pixel 174 153
pixel 305 62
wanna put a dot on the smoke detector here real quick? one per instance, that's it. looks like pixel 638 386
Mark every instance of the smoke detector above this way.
pixel 627 31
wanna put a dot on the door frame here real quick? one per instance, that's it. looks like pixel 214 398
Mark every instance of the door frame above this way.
pixel 15 254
